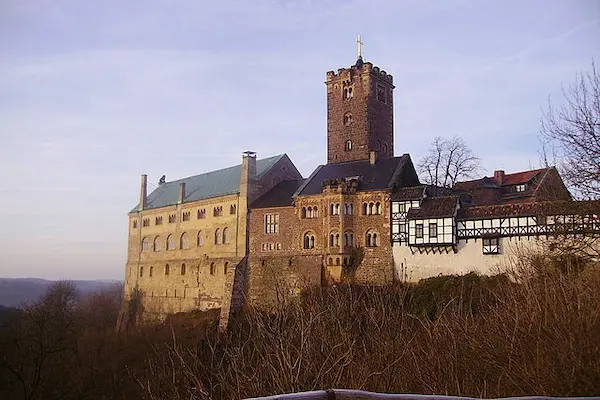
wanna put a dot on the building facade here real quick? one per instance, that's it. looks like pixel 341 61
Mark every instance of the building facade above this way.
pixel 259 232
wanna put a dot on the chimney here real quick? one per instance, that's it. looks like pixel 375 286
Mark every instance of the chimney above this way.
pixel 499 177
pixel 143 193
pixel 181 193
pixel 372 157
pixel 248 175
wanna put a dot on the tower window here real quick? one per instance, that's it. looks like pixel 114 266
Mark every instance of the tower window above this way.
pixel 381 94
pixel 347 119
pixel 348 92
pixel 348 146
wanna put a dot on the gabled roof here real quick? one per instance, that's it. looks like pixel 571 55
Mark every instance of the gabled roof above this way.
pixel 410 193
pixel 280 195
pixel 207 185
pixel 435 207
pixel 516 178
pixel 381 175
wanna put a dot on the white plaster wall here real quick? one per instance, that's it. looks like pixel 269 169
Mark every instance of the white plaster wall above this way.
pixel 469 258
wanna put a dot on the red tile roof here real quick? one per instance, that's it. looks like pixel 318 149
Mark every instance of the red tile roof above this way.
pixel 521 177
pixel 530 209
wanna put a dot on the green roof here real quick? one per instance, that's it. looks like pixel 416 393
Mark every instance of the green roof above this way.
pixel 217 183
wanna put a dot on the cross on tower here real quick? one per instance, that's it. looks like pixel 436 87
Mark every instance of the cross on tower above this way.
pixel 360 45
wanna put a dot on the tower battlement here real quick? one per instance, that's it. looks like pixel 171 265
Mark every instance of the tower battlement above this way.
pixel 359 69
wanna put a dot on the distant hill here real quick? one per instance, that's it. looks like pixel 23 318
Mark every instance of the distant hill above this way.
pixel 15 292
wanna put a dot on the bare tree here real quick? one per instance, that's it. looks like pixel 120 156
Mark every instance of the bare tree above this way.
pixel 447 162
pixel 572 132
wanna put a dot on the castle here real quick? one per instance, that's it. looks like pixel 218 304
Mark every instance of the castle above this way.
pixel 259 231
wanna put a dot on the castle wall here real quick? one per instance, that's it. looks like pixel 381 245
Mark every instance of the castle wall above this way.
pixel 414 265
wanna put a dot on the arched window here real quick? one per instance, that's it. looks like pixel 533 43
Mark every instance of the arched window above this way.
pixel 225 235
pixel 151 271
pixel 218 237
pixel 385 149
pixel 184 242
pixel 348 145
pixel 365 209
pixel 145 244
pixel 167 269
pixel 330 261
pixel 371 239
pixel 303 212
pixel 212 268
pixel 182 269
pixel 225 266
pixel 348 239
pixel 157 244
pixel 347 119
pixel 200 240
pixel 232 209
pixel 141 271
pixel 378 208
pixel 170 243
pixel 334 239
pixel 337 209
pixel 309 212
pixel 371 208
pixel 337 261
pixel 309 240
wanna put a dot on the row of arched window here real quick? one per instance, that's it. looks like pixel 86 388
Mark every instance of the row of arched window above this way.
pixel 335 209
pixel 221 236
pixel 372 208
pixel 182 270
pixel 186 215
pixel 372 239
pixel 310 212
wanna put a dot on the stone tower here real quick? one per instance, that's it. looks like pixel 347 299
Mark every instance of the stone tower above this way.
pixel 359 113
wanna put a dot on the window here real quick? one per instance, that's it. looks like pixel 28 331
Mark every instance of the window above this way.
pixel 372 239
pixel 347 119
pixel 225 266
pixel 225 235
pixel 432 230
pixel 334 239
pixel 218 237
pixel 264 247
pixel 184 242
pixel 182 269
pixel 378 208
pixel 309 240
pixel 348 239
pixel 272 223
pixel 185 216
pixel 278 246
pixel 365 209
pixel 212 268
pixel 232 209
pixel 201 213
pixel 145 244
pixel 170 243
pixel 371 208
pixel 348 92
pixel 172 218
pixel 335 209
pixel 521 188
pixel 200 239
pixel 348 209
pixel 381 93
pixel 384 149
pixel 310 212
pixel 348 145
pixel 141 271
pixel 218 211
pixel 157 244
pixel 158 220
pixel 491 246
pixel 271 246
pixel 134 224
pixel 146 222
pixel 151 271
pixel 419 230
pixel 167 269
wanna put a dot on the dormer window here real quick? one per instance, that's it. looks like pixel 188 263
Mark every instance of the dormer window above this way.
pixel 521 188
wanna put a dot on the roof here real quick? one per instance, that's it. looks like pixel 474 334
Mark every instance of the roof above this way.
pixel 409 193
pixel 378 176
pixel 516 178
pixel 280 195
pixel 207 185
pixel 433 207
pixel 531 209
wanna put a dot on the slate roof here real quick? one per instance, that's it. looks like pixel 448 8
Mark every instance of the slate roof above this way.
pixel 409 193
pixel 435 207
pixel 205 186
pixel 530 209
pixel 280 195
pixel 379 176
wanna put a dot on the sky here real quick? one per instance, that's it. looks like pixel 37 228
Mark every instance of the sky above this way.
pixel 94 94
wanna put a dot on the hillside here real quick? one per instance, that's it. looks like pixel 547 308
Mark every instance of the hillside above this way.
pixel 14 292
